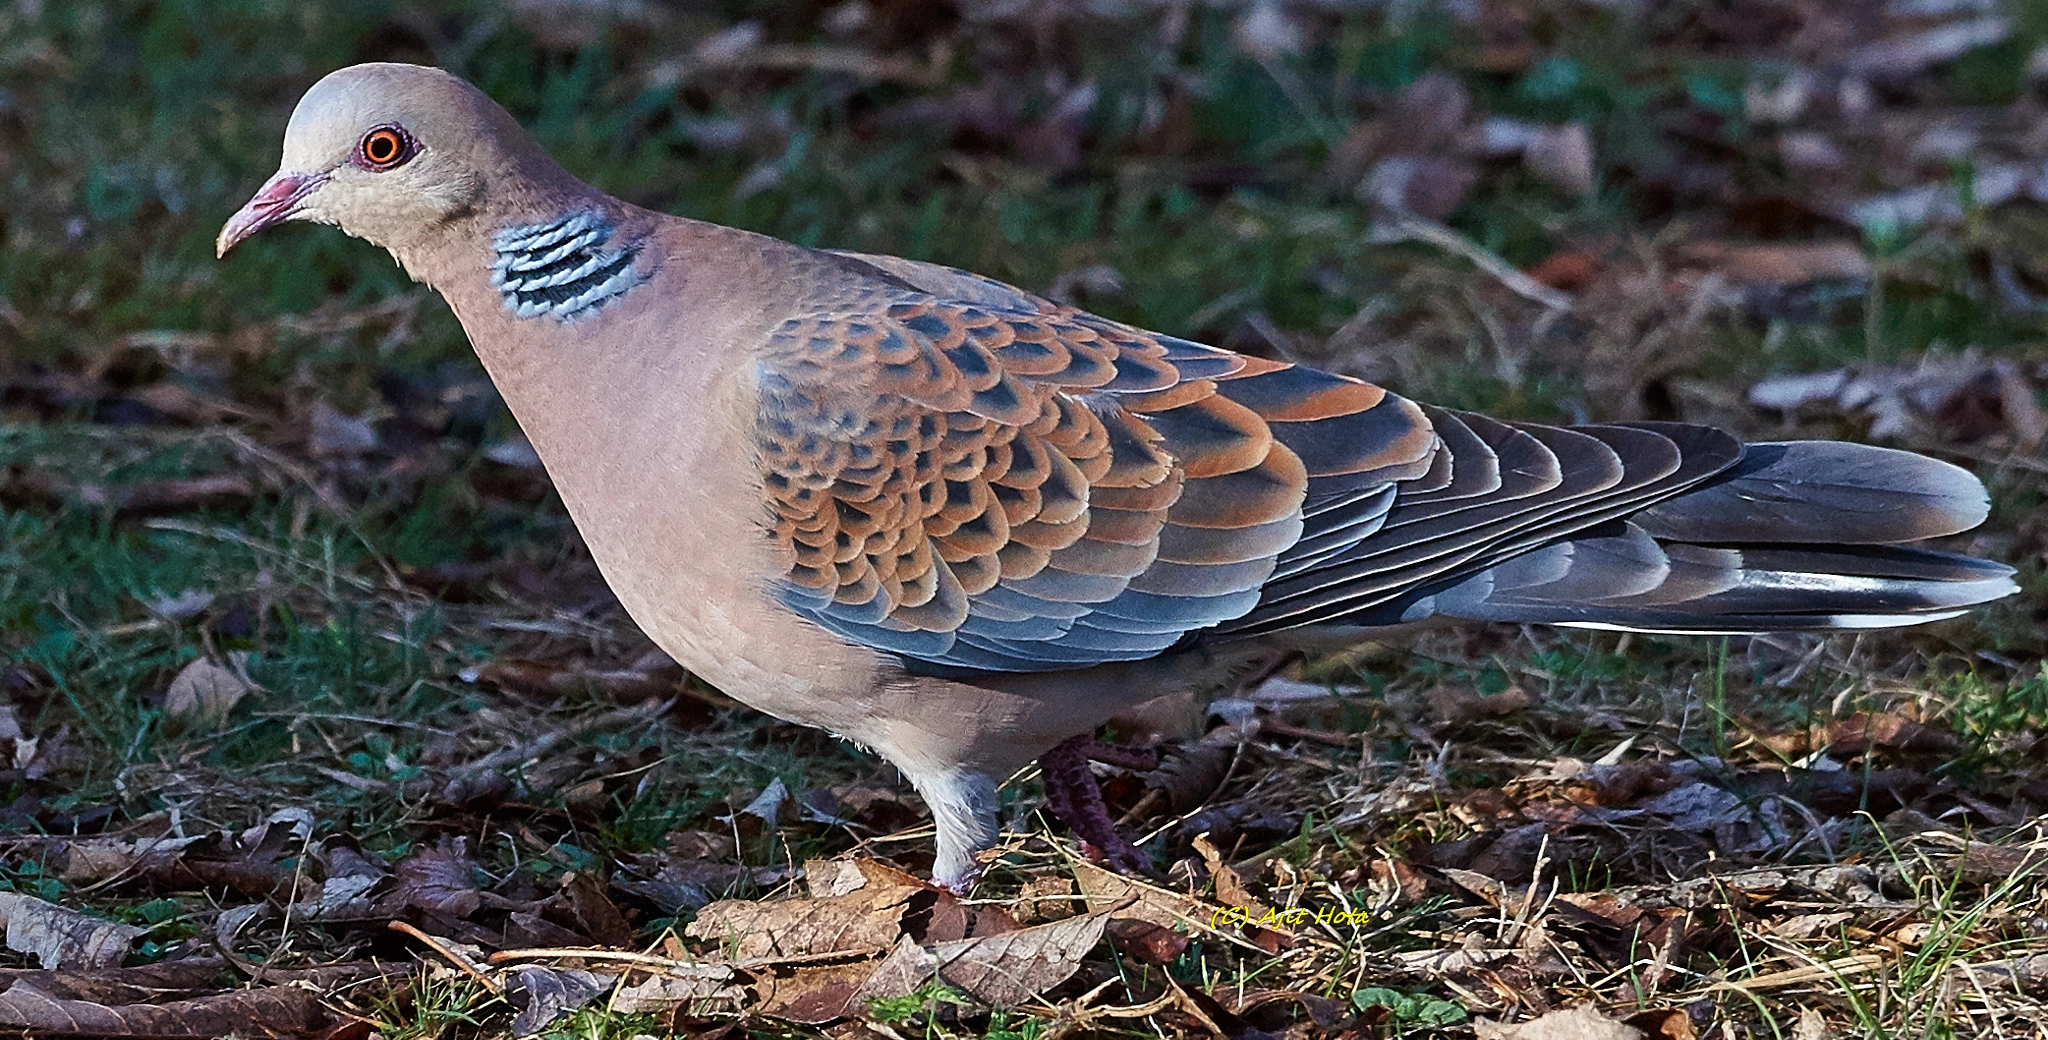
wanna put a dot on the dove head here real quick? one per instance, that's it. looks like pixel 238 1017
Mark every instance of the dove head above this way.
pixel 398 155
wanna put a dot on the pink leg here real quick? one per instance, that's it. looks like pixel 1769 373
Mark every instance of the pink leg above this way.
pixel 1072 796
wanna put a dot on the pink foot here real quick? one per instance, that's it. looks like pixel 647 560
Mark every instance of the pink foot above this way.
pixel 1072 796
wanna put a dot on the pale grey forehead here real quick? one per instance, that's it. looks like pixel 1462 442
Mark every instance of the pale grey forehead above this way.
pixel 337 111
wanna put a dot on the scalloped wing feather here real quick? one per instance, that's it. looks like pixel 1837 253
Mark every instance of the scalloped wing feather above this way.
pixel 973 477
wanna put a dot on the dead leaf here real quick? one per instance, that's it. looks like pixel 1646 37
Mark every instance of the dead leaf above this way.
pixel 812 994
pixel 594 911
pixel 86 861
pixel 1457 705
pixel 1229 890
pixel 1147 942
pixel 906 968
pixel 1579 1023
pixel 708 992
pixel 1568 269
pixel 58 936
pixel 1122 897
pixel 271 1011
pixel 1663 1024
pixel 1395 882
pixel 439 878
pixel 766 806
pixel 1042 899
pixel 1811 1026
pixel 552 992
pixel 1003 970
pixel 868 917
pixel 1864 732
pixel 204 692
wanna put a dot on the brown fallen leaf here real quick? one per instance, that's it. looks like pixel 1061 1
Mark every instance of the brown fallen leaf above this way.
pixel 707 993
pixel 1230 891
pixel 812 994
pixel 1569 270
pixel 1147 942
pixel 85 861
pixel 1456 705
pixel 866 918
pixel 1043 899
pixel 271 1011
pixel 1007 969
pixel 203 692
pixel 1399 883
pixel 1864 732
pixel 898 975
pixel 58 936
pixel 161 981
pixel 1579 1023
pixel 439 878
pixel 1122 897
pixel 594 911
pixel 550 993
pixel 1986 863
pixel 1663 1024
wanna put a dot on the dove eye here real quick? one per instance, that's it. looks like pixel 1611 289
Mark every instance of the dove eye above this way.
pixel 384 148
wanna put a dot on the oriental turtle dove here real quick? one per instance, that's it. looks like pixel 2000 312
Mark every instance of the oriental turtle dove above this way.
pixel 964 525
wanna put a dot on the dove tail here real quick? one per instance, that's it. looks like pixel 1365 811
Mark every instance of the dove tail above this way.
pixel 1798 535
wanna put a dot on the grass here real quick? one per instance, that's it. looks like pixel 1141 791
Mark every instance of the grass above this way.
pixel 374 588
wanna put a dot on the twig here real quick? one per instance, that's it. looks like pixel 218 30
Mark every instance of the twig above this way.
pixel 1422 229
pixel 1855 964
pixel 679 967
pixel 1194 1010
pixel 452 957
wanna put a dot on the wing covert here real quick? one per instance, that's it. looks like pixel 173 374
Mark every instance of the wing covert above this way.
pixel 974 478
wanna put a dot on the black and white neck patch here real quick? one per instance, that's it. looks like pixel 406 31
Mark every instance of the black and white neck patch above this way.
pixel 561 268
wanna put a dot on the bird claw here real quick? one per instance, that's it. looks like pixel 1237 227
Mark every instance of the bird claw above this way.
pixel 1074 798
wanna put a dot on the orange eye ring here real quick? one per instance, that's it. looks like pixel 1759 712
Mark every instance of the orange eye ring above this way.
pixel 384 148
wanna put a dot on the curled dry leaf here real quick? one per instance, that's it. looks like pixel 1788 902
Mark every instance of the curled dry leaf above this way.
pixel 59 937
pixel 204 692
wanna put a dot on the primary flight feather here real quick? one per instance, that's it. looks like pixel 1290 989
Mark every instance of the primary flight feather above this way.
pixel 964 525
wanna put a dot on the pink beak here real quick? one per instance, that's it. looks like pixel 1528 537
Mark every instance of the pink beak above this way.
pixel 274 203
